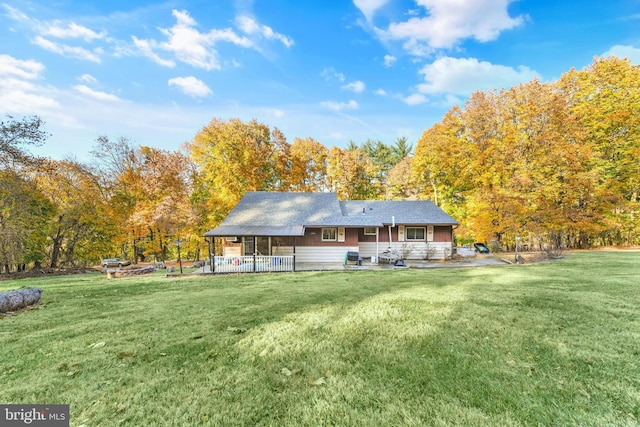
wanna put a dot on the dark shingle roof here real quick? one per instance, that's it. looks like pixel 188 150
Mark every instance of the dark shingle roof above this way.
pixel 286 214
pixel 407 212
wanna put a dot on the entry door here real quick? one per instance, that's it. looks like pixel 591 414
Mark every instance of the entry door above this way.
pixel 263 246
pixel 249 246
pixel 257 245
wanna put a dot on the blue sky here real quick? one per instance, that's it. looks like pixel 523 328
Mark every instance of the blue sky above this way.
pixel 336 71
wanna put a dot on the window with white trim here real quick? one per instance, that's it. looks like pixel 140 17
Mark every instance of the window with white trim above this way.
pixel 415 233
pixel 329 234
pixel 370 231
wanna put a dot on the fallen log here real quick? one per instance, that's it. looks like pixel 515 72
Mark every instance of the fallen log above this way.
pixel 19 298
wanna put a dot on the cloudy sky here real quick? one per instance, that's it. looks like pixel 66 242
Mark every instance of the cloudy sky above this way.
pixel 334 70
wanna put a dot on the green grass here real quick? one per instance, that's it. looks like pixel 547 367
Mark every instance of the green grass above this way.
pixel 553 344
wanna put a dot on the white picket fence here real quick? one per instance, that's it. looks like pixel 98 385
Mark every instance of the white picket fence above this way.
pixel 252 264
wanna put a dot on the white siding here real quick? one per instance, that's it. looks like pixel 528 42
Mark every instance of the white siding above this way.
pixel 368 249
pixel 317 253
pixel 232 251
pixel 409 250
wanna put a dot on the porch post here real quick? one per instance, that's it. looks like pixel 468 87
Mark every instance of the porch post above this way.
pixel 211 258
pixel 377 242
pixel 294 253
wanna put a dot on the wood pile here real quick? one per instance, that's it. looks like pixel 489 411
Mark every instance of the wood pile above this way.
pixel 130 272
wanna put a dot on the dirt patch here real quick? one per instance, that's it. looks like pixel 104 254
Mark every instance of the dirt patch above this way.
pixel 46 272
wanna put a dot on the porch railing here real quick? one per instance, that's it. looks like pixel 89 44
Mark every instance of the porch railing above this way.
pixel 252 264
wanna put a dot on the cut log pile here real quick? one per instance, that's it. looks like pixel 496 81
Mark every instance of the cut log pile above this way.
pixel 19 298
pixel 130 272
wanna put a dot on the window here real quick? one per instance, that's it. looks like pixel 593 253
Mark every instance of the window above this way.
pixel 329 234
pixel 415 233
pixel 370 231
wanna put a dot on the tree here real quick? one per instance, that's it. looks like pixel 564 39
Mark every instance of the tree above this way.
pixel 605 99
pixel 308 165
pixel 80 230
pixel 232 158
pixel 400 150
pixel 401 182
pixel 24 213
pixel 15 135
pixel 352 175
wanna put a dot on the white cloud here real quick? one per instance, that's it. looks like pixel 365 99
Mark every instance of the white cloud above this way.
pixel 24 69
pixel 65 50
pixel 145 47
pixel 415 99
pixel 198 49
pixel 191 86
pixel 72 30
pixel 275 112
pixel 356 86
pixel 463 76
pixel 251 27
pixel 18 97
pixel 339 106
pixel 630 52
pixel 88 78
pixel 95 94
pixel 389 60
pixel 188 44
pixel 449 22
pixel 380 92
pixel 17 92
pixel 330 73
pixel 193 47
pixel 369 7
pixel 15 14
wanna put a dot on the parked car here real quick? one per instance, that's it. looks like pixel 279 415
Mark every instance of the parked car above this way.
pixel 115 262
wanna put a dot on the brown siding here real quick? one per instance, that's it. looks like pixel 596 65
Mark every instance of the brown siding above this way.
pixel 313 237
pixel 442 233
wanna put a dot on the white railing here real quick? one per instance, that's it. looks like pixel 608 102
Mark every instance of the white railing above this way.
pixel 252 264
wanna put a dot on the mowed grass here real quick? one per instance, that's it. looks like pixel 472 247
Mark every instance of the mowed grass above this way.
pixel 552 344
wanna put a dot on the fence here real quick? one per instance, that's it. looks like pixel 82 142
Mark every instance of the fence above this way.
pixel 252 264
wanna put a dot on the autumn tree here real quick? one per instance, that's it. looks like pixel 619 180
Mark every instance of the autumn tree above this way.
pixel 234 157
pixel 24 211
pixel 79 231
pixel 401 182
pixel 605 99
pixel 520 162
pixel 15 138
pixel 118 165
pixel 308 171
pixel 163 212
pixel 352 175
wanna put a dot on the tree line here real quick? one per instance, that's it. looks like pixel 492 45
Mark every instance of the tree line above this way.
pixel 549 163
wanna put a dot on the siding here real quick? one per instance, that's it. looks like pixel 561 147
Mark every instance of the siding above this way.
pixel 442 233
pixel 410 251
pixel 313 237
pixel 318 254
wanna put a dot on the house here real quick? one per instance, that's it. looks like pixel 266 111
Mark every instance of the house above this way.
pixel 318 228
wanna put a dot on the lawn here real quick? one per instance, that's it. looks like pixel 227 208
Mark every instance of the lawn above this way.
pixel 552 344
